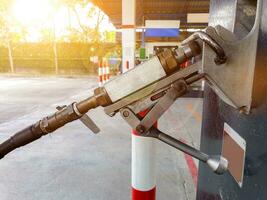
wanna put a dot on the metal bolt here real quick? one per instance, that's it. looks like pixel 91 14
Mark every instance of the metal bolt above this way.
pixel 243 110
pixel 126 113
pixel 219 61
pixel 140 129
pixel 112 114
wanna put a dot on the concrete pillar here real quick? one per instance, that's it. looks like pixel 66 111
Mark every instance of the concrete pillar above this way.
pixel 128 34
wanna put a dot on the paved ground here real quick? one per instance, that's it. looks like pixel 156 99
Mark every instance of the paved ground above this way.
pixel 76 164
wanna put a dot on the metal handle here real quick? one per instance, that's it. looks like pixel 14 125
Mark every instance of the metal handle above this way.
pixel 217 163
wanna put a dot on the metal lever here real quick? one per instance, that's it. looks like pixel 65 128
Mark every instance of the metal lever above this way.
pixel 87 121
pixel 178 89
pixel 217 163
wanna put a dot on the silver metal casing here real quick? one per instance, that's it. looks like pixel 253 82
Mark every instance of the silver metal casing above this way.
pixel 135 79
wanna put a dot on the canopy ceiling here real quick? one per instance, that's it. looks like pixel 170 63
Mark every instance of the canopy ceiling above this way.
pixel 156 10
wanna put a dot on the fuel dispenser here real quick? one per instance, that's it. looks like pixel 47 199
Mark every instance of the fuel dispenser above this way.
pixel 234 127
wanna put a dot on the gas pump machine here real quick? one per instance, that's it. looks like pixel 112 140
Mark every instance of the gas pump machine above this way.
pixel 234 126
pixel 235 121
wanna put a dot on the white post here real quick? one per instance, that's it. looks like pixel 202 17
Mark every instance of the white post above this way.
pixel 143 167
pixel 128 34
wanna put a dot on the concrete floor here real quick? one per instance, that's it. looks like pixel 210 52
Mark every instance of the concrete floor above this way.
pixel 75 164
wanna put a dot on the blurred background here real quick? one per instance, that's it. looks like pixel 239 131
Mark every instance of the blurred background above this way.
pixel 55 37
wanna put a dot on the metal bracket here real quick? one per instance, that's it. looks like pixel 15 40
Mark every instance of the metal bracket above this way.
pixel 207 39
pixel 232 81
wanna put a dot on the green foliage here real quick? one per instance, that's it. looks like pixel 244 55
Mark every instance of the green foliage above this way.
pixel 83 33
pixel 4 4
pixel 40 56
pixel 73 49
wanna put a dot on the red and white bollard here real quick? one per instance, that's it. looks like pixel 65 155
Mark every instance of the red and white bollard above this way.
pixel 143 166
pixel 143 149
pixel 103 71
pixel 100 73
pixel 107 71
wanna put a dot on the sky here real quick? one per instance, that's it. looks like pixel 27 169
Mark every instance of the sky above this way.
pixel 36 15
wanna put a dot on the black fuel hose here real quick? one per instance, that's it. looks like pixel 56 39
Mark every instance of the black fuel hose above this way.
pixel 47 125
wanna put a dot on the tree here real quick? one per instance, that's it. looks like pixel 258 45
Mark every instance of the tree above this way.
pixel 85 33
pixel 13 31
pixel 88 34
pixel 5 36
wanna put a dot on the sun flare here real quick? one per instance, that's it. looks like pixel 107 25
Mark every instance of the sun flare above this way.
pixel 37 15
pixel 31 12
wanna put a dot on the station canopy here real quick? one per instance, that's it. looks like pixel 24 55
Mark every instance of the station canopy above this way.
pixel 157 10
